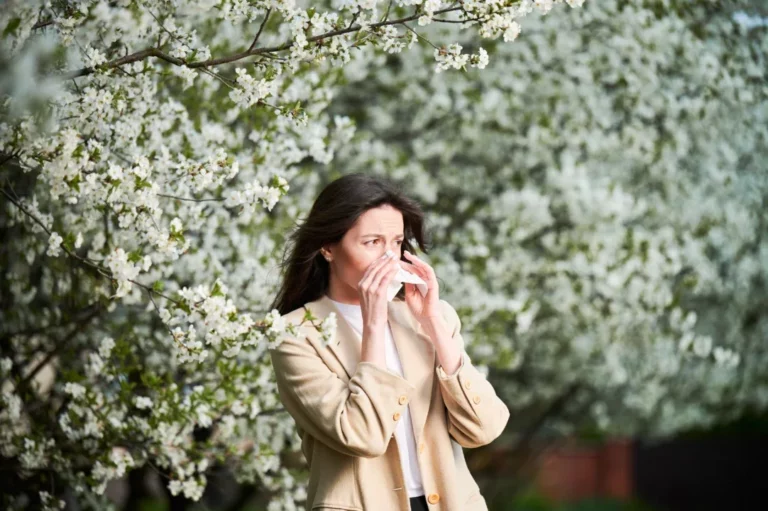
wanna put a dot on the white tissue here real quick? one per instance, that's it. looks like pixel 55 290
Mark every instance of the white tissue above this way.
pixel 405 276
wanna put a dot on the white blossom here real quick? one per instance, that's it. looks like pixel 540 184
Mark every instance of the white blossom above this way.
pixel 142 402
pixel 74 389
pixel 54 244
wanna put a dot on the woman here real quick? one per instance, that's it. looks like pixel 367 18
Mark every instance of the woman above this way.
pixel 384 410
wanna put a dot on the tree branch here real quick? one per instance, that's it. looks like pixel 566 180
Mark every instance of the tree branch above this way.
pixel 258 34
pixel 43 24
pixel 155 52
pixel 59 346
pixel 101 270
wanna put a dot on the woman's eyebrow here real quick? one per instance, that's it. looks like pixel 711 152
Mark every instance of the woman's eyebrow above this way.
pixel 377 234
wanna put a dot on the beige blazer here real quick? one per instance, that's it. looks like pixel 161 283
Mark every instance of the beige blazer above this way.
pixel 346 411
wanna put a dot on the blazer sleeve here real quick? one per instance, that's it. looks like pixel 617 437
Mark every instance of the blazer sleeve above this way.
pixel 357 418
pixel 476 415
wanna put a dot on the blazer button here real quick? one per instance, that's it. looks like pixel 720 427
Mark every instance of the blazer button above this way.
pixel 476 399
pixel 433 498
pixel 403 399
pixel 468 384
pixel 396 416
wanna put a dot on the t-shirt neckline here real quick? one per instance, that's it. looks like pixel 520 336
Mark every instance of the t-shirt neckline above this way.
pixel 346 306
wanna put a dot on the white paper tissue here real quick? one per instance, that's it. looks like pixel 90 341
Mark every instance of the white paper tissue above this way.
pixel 401 276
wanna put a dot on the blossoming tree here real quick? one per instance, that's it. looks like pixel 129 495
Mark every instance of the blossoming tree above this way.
pixel 144 146
pixel 598 197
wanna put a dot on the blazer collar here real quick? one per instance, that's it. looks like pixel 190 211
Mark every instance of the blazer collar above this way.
pixel 414 348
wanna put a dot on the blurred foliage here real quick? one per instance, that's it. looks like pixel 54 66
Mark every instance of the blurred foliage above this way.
pixel 750 423
pixel 532 500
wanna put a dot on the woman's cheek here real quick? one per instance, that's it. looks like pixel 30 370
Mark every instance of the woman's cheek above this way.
pixel 365 264
pixel 358 266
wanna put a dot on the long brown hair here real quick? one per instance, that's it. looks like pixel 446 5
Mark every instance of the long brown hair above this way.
pixel 334 212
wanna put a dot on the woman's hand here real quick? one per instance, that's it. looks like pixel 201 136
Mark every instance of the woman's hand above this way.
pixel 426 308
pixel 372 290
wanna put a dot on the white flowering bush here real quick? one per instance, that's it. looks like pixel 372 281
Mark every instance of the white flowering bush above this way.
pixel 598 201
pixel 144 147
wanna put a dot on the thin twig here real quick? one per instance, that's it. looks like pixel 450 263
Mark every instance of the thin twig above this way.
pixel 8 158
pixel 43 24
pixel 354 18
pixel 420 37
pixel 157 309
pixel 190 199
pixel 59 346
pixel 442 20
pixel 386 14
pixel 258 34
pixel 218 76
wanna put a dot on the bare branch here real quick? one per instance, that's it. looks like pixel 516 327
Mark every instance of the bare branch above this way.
pixel 420 36
pixel 354 18
pixel 258 34
pixel 386 14
pixel 190 199
pixel 442 20
pixel 42 24
pixel 61 344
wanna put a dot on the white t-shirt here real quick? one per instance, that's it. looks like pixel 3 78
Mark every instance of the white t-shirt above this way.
pixel 406 442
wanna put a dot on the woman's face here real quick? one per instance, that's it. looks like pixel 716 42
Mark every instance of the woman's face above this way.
pixel 376 231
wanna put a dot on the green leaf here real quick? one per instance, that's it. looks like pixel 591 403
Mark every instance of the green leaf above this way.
pixel 69 241
pixel 140 183
pixel 183 306
pixel 74 183
pixel 11 27
pixel 149 379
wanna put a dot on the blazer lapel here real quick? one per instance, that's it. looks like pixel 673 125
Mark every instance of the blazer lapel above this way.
pixel 415 350
pixel 345 346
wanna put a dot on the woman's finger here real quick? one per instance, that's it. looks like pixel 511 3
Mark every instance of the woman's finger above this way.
pixel 416 260
pixel 374 276
pixel 373 267
pixel 384 275
pixel 419 263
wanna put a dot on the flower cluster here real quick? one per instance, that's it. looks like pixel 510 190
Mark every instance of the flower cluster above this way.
pixel 452 57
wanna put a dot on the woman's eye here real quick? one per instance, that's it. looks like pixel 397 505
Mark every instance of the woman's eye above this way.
pixel 373 241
